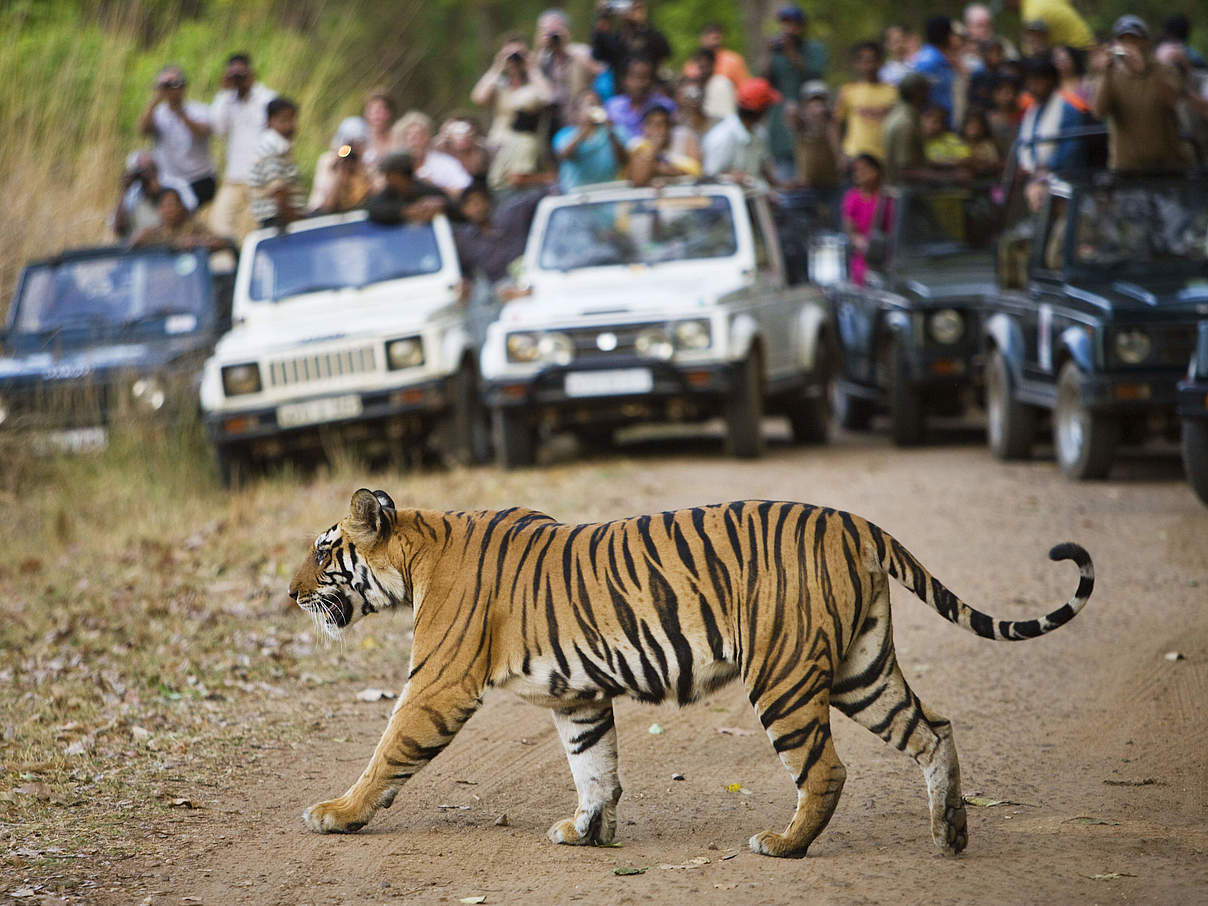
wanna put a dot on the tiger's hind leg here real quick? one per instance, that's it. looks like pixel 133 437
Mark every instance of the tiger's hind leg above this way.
pixel 798 723
pixel 870 689
pixel 589 735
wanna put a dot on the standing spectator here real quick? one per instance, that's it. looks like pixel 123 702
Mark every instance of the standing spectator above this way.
pixel 727 62
pixel 795 59
pixel 867 214
pixel 276 184
pixel 1192 105
pixel 905 156
pixel 638 94
pixel 567 66
pixel 901 43
pixel 720 97
pixel 1049 115
pixel 404 198
pixel 1065 26
pixel 1176 29
pixel 1071 76
pixel 620 36
pixel 341 179
pixel 979 26
pixel 816 146
pixel 1138 97
pixel 983 78
pixel 380 111
pixel 517 91
pixel 238 115
pixel 413 134
pixel 588 151
pixel 650 154
pixel 138 204
pixel 459 138
pixel 984 158
pixel 934 61
pixel 864 104
pixel 181 130
pixel 1034 38
pixel 738 145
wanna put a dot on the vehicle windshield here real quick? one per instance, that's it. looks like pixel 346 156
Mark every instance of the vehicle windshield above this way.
pixel 946 221
pixel 343 255
pixel 638 231
pixel 1130 228
pixel 170 290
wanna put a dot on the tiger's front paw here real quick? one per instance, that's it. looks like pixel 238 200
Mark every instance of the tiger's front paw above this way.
pixel 593 828
pixel 335 816
pixel 770 843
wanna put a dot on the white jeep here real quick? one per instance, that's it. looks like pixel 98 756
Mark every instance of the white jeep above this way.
pixel 348 328
pixel 656 305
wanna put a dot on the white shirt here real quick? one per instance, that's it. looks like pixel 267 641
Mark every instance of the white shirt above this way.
pixel 177 151
pixel 444 171
pixel 1039 122
pixel 720 97
pixel 729 146
pixel 241 121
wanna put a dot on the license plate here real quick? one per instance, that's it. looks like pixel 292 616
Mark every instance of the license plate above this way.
pixel 315 412
pixel 77 440
pixel 608 383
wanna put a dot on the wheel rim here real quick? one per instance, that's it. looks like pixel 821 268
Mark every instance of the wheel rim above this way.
pixel 1071 423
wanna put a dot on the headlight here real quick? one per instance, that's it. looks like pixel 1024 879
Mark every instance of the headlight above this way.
pixel 1133 346
pixel 149 394
pixel 405 353
pixel 946 325
pixel 557 348
pixel 654 343
pixel 240 379
pixel 521 347
pixel 692 334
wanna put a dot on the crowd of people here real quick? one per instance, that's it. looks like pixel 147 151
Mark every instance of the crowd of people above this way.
pixel 952 101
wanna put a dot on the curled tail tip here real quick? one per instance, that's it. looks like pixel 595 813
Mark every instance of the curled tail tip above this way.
pixel 1068 550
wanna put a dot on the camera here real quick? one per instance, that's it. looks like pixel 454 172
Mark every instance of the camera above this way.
pixel 515 57
pixel 618 7
pixel 598 115
pixel 348 153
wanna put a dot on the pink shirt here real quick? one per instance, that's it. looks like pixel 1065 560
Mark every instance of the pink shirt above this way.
pixel 859 209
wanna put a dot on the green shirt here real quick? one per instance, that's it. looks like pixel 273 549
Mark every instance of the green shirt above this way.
pixel 787 78
pixel 903 141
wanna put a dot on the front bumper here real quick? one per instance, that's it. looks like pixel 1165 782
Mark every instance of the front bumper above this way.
pixel 412 407
pixel 946 366
pixel 1192 399
pixel 1133 392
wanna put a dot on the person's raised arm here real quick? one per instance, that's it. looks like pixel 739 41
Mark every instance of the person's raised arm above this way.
pixel 146 119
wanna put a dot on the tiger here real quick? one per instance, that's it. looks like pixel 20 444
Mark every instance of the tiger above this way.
pixel 790 598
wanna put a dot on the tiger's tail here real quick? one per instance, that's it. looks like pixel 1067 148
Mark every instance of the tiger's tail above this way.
pixel 904 567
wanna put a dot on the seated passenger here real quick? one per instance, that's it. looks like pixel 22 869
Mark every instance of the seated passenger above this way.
pixel 413 134
pixel 404 197
pixel 341 181
pixel 588 151
pixel 177 227
pixel 138 206
pixel 650 155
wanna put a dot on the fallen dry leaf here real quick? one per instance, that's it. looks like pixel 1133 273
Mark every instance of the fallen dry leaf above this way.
pixel 628 871
pixel 1144 781
pixel 1111 876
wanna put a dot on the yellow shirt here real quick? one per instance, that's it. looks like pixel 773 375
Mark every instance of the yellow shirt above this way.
pixel 862 108
pixel 1065 25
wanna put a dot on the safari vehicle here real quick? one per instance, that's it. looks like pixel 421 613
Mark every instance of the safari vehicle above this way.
pixel 908 337
pixel 662 304
pixel 1193 409
pixel 1095 321
pixel 99 336
pixel 347 329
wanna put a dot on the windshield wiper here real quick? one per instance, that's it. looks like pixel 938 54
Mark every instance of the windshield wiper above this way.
pixel 393 275
pixel 161 315
pixel 84 322
pixel 313 288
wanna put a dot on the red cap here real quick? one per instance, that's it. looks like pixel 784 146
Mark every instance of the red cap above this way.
pixel 758 95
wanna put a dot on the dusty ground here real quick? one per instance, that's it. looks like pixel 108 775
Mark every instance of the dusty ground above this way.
pixel 1091 740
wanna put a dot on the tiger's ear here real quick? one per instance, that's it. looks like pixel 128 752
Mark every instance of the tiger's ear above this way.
pixel 370 515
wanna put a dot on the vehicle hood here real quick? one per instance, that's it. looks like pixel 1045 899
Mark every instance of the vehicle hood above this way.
pixel 628 295
pixel 954 277
pixel 1164 297
pixel 74 363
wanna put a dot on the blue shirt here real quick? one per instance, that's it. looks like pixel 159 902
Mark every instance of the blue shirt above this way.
pixel 933 64
pixel 593 161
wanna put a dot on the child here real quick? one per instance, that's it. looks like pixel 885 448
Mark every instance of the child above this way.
pixel 1005 115
pixel 277 195
pixel 939 144
pixel 863 205
pixel 984 158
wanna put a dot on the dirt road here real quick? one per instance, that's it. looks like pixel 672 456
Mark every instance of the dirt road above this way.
pixel 1086 748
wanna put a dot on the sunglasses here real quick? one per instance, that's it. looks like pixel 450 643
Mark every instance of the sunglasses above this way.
pixel 173 83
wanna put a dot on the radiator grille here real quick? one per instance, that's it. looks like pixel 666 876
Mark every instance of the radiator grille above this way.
pixel 323 366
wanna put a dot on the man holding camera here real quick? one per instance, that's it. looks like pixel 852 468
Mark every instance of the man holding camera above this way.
pixel 795 59
pixel 239 115
pixel 1138 97
pixel 588 151
pixel 623 31
pixel 138 205
pixel 181 130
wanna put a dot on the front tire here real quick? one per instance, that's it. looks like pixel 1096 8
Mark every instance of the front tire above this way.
pixel 1085 441
pixel 810 415
pixel 466 431
pixel 515 438
pixel 1195 455
pixel 234 463
pixel 744 411
pixel 1010 425
pixel 906 420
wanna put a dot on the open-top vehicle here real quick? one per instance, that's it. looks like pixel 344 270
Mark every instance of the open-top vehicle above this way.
pixel 656 305
pixel 350 329
pixel 909 334
pixel 1095 321
pixel 98 335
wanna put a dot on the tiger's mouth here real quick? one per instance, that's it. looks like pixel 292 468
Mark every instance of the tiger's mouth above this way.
pixel 330 610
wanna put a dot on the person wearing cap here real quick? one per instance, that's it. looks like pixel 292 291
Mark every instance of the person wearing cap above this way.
pixel 342 180
pixel 238 113
pixel 177 227
pixel 1034 37
pixel 862 105
pixel 181 129
pixel 138 204
pixel 1138 97
pixel 413 133
pixel 404 198
pixel 935 61
pixel 794 59
pixel 738 145
pixel 1065 26
pixel 276 183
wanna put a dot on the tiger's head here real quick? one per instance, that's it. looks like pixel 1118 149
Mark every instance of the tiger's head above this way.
pixel 348 573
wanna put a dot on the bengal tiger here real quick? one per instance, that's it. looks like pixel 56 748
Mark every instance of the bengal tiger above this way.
pixel 791 598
